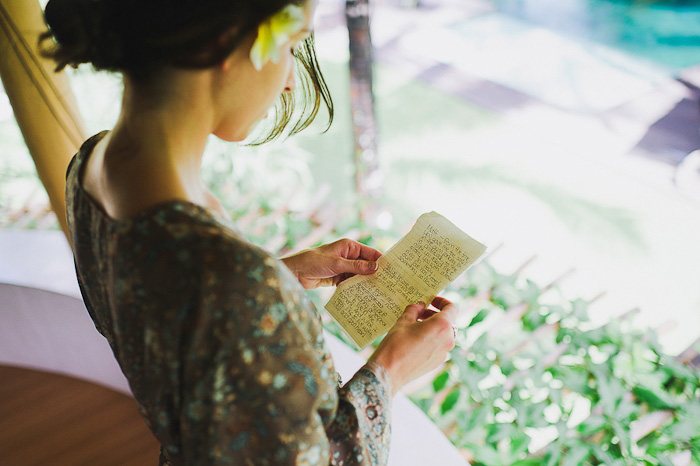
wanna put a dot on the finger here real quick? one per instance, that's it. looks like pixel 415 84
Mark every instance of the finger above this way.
pixel 368 253
pixel 338 279
pixel 350 249
pixel 440 302
pixel 413 312
pixel 447 309
pixel 358 266
pixel 426 313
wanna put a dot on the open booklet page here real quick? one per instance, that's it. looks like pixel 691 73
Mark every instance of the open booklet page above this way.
pixel 415 269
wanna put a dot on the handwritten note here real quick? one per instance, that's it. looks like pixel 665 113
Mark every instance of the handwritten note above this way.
pixel 415 269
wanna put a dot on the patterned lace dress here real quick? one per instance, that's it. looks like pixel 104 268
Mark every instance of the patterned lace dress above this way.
pixel 222 349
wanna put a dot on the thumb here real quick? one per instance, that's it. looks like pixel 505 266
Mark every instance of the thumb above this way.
pixel 447 308
pixel 413 312
pixel 359 266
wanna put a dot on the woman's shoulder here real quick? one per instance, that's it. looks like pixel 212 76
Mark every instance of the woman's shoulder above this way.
pixel 219 252
pixel 85 148
pixel 187 229
pixel 237 280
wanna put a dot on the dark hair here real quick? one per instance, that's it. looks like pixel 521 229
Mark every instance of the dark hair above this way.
pixel 137 37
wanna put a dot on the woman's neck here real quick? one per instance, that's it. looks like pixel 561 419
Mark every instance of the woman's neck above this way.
pixel 168 122
pixel 154 153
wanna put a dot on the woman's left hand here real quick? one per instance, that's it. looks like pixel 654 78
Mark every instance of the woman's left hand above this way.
pixel 332 263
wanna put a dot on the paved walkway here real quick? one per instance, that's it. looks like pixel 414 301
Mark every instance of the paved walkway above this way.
pixel 580 93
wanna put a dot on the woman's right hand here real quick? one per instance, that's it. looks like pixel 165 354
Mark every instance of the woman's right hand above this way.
pixel 418 342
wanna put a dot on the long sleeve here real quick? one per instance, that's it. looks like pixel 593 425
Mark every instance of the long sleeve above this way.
pixel 362 419
pixel 259 384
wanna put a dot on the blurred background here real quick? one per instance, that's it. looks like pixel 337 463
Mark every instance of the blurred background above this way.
pixel 562 134
pixel 560 129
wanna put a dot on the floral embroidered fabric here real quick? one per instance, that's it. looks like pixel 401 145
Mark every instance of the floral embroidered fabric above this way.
pixel 223 350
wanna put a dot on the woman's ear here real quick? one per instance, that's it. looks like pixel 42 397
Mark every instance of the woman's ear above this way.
pixel 226 64
pixel 243 45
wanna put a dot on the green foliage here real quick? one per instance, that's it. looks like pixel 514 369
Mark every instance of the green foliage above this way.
pixel 440 381
pixel 577 386
pixel 270 194
pixel 574 387
pixel 481 315
pixel 450 401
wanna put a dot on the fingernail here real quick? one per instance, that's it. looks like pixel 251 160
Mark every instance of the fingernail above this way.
pixel 372 266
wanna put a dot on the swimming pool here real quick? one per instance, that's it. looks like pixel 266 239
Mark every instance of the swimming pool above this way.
pixel 666 32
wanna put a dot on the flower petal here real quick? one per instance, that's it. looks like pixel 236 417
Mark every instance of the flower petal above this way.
pixel 286 23
pixel 274 32
pixel 259 53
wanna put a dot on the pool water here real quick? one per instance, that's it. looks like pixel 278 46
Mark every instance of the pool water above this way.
pixel 666 32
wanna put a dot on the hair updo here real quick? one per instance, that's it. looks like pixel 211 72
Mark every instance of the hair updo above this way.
pixel 138 37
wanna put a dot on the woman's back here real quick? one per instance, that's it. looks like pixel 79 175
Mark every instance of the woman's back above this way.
pixel 199 318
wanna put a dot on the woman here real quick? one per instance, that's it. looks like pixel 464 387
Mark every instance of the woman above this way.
pixel 222 349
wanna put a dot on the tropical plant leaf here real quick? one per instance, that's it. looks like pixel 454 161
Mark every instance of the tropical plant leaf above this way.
pixel 499 431
pixel 480 316
pixel 450 401
pixel 531 293
pixel 579 310
pixel 476 418
pixel 591 425
pixel 528 462
pixel 675 369
pixel 623 434
pixel 602 455
pixel 486 455
pixel 683 430
pixel 553 454
pixel 519 442
pixel 656 399
pixel 576 455
pixel 440 381
pixel 610 390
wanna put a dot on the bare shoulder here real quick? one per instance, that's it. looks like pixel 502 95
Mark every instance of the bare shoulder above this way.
pixel 126 185
pixel 91 175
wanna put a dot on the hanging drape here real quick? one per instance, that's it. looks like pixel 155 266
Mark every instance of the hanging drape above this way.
pixel 42 100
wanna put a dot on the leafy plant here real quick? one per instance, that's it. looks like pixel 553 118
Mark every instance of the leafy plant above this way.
pixel 534 382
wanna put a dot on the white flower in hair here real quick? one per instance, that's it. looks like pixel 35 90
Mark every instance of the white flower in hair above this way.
pixel 274 32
